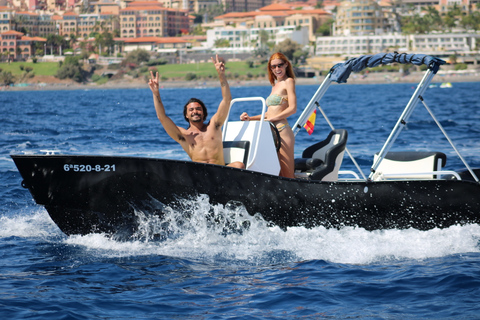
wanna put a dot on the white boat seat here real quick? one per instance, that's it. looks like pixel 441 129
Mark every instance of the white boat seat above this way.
pixel 236 151
pixel 322 160
pixel 411 164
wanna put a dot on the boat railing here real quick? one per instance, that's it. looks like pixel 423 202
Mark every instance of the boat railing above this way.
pixel 379 176
pixel 50 152
pixel 262 154
pixel 348 172
pixel 264 108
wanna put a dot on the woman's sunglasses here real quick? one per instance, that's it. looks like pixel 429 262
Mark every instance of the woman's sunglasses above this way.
pixel 274 66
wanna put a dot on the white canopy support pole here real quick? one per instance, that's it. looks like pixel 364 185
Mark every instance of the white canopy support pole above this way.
pixel 346 149
pixel 311 105
pixel 450 141
pixel 402 121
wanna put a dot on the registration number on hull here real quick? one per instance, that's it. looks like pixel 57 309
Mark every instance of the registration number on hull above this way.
pixel 89 168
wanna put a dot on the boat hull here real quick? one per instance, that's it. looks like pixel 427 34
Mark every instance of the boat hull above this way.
pixel 101 194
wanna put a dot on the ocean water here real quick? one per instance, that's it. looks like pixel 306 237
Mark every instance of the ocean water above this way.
pixel 259 273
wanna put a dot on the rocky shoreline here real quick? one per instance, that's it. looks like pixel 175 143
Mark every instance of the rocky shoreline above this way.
pixel 51 83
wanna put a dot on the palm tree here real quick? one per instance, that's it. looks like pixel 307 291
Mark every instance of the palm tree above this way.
pixel 108 42
pixel 55 41
pixel 263 37
pixel 99 26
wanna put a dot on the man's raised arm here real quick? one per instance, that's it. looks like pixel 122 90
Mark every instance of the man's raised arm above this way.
pixel 167 123
pixel 222 112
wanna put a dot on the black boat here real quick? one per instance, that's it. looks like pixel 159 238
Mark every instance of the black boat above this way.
pixel 104 194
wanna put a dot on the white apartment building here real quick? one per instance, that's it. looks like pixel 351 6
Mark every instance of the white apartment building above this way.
pixel 446 43
pixel 247 39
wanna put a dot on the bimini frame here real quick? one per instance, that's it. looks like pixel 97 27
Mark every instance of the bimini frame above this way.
pixel 340 73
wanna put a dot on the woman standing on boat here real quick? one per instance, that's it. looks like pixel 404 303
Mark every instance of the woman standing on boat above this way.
pixel 281 103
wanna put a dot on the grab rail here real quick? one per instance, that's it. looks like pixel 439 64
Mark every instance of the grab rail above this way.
pixel 264 108
pixel 403 174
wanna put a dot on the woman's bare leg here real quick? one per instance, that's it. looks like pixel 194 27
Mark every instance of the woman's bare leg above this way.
pixel 286 153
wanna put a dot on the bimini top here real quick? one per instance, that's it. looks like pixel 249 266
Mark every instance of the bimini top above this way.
pixel 341 71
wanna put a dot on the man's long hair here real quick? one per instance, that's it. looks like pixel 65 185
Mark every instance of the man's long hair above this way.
pixel 199 102
pixel 289 70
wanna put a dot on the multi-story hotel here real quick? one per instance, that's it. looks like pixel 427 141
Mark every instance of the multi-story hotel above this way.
pixel 445 43
pixel 15 45
pixel 38 25
pixel 151 19
pixel 277 15
pixel 82 25
pixel 362 17
pixel 246 39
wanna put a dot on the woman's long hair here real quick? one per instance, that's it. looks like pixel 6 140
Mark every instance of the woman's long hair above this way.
pixel 289 69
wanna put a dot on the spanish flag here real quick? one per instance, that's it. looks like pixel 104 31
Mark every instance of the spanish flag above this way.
pixel 311 122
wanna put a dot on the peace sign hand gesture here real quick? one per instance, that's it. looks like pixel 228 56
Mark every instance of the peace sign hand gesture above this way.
pixel 219 65
pixel 153 83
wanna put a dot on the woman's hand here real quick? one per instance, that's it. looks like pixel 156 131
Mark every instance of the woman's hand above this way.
pixel 244 117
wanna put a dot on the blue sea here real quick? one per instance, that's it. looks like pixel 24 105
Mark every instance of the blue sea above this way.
pixel 260 273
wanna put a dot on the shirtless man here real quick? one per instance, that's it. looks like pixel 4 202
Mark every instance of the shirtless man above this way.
pixel 202 142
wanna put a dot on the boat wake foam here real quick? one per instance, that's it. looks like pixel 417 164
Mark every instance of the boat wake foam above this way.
pixel 228 235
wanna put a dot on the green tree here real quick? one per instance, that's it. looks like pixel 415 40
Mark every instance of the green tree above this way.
pixel 72 40
pixel 471 21
pixel 54 42
pixel 221 43
pixel 71 69
pixel 415 24
pixel 137 57
pixel 261 52
pixel 292 50
pixel 7 78
pixel 198 31
pixel 452 17
pixel 198 19
pixel 432 18
pixel 326 28
pixel 263 36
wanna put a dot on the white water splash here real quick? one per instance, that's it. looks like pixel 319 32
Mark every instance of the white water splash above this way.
pixel 218 234
pixel 29 223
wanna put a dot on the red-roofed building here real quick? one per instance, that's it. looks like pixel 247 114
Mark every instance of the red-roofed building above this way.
pixel 158 44
pixel 15 46
pixel 277 15
pixel 151 19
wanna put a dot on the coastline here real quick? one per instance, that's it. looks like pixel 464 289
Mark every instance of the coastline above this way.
pixel 51 83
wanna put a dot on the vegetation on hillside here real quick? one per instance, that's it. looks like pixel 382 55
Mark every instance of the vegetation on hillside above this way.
pixel 139 63
pixel 431 20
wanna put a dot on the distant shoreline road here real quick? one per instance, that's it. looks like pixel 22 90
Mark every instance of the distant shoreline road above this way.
pixel 370 78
